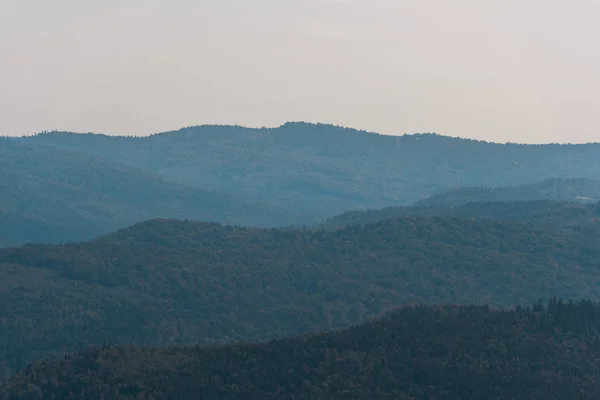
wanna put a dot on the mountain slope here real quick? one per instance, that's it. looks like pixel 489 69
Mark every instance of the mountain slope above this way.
pixel 323 170
pixel 65 196
pixel 415 353
pixel 565 190
pixel 534 211
pixel 17 229
pixel 166 282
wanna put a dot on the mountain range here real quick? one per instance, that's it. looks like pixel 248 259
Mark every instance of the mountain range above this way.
pixel 323 170
pixel 204 240
pixel 61 187
pixel 51 195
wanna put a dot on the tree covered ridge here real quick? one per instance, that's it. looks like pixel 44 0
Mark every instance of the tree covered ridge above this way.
pixel 168 282
pixel 548 351
pixel 544 212
pixel 53 195
pixel 566 190
pixel 323 170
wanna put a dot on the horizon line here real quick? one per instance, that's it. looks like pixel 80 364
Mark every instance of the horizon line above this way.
pixel 363 131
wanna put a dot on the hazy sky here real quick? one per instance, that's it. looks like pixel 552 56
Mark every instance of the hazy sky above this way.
pixel 501 70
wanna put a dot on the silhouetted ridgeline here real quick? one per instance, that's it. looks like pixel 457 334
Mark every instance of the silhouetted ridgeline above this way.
pixel 323 170
pixel 165 282
pixel 414 353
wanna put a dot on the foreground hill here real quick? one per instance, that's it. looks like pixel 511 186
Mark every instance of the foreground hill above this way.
pixel 166 282
pixel 53 195
pixel 415 353
pixel 323 170
pixel 536 211
pixel 563 190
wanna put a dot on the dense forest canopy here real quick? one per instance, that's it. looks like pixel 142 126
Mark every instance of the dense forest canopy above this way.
pixel 166 282
pixel 491 224
pixel 545 352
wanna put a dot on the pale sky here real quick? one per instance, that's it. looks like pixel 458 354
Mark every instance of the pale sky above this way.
pixel 498 70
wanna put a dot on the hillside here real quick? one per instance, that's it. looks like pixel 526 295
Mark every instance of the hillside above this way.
pixel 165 282
pixel 414 353
pixel 546 212
pixel 563 190
pixel 17 229
pixel 324 170
pixel 54 195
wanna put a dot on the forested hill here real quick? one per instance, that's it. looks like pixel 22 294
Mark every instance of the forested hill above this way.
pixel 166 282
pixel 324 170
pixel 536 211
pixel 54 195
pixel 414 353
pixel 565 190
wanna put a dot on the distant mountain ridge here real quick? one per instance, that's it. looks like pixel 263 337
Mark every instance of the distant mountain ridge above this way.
pixel 56 195
pixel 544 212
pixel 565 202
pixel 571 190
pixel 322 170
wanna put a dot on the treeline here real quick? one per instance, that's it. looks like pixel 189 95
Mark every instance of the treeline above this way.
pixel 165 282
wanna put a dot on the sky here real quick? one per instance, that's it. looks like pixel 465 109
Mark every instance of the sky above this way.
pixel 496 70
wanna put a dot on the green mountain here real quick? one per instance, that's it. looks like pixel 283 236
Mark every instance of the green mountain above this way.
pixel 56 195
pixel 536 211
pixel 324 170
pixel 166 282
pixel 564 190
pixel 414 353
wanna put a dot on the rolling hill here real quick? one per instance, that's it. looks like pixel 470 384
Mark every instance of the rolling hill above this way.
pixel 544 212
pixel 563 190
pixel 564 202
pixel 324 170
pixel 166 282
pixel 414 353
pixel 55 195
